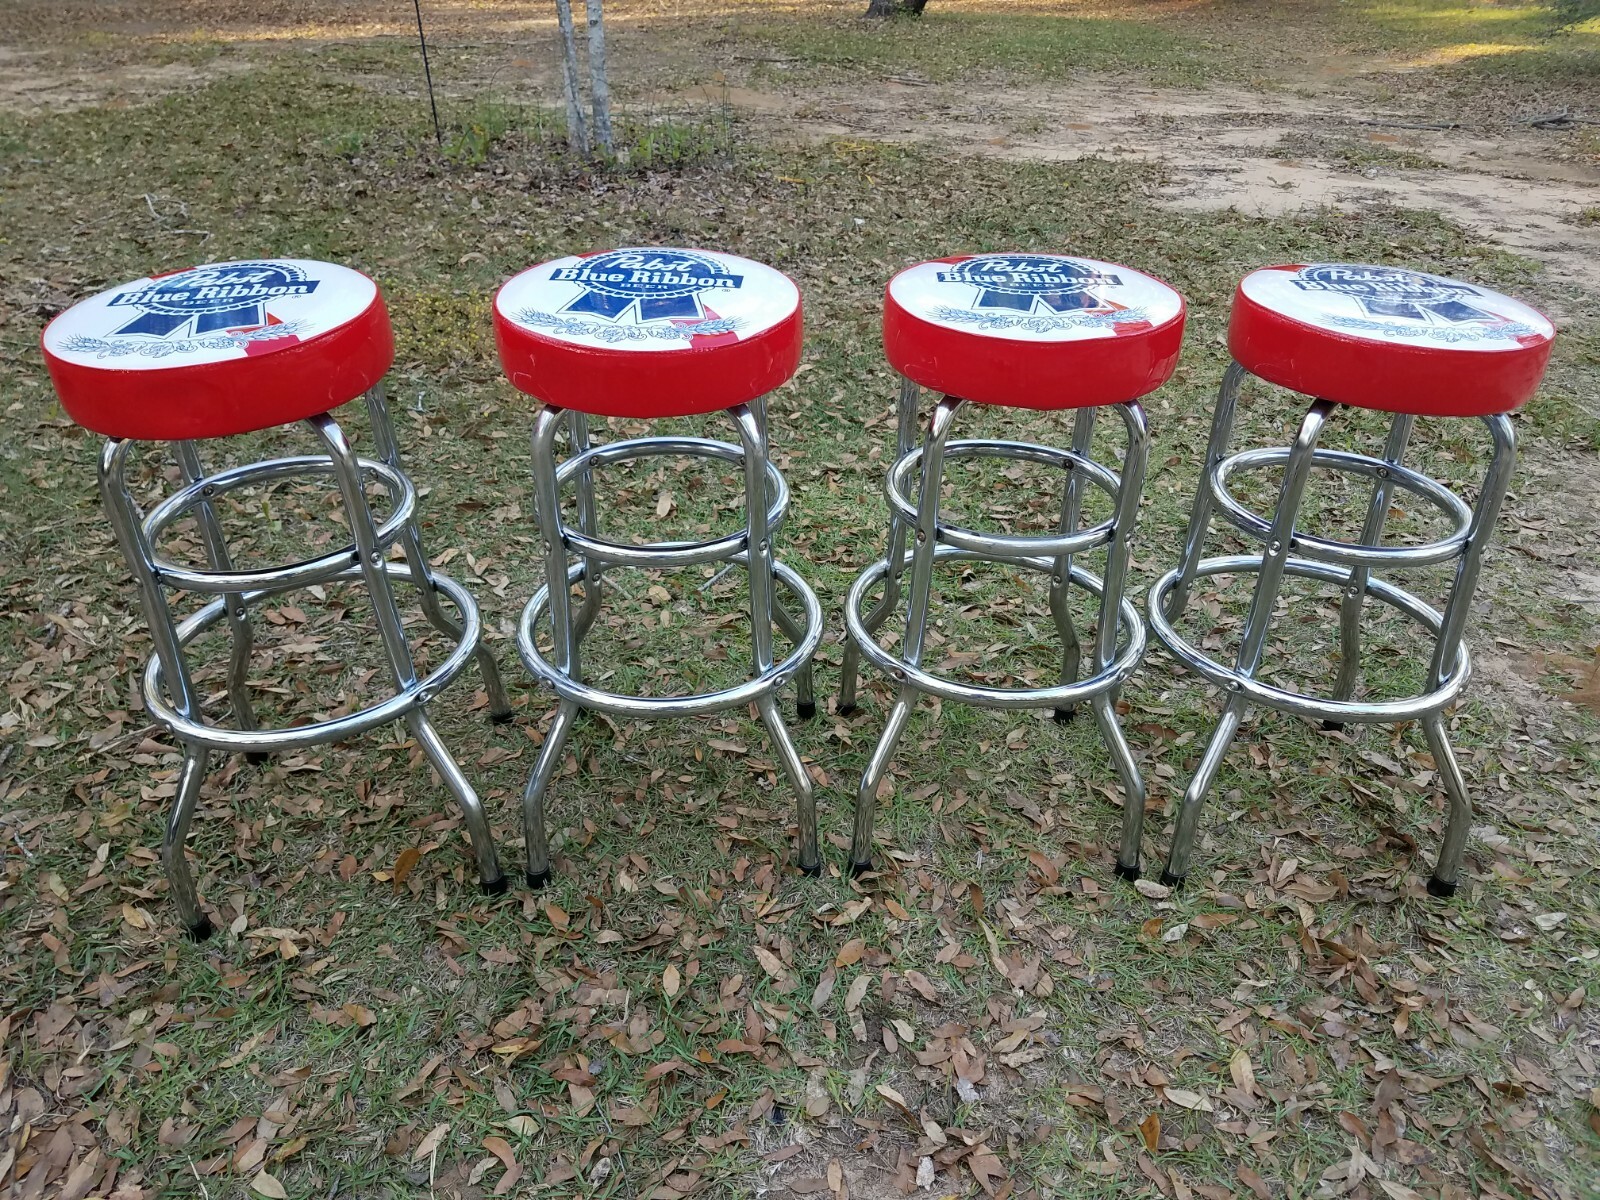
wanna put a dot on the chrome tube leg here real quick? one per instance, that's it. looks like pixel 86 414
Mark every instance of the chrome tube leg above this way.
pixel 927 539
pixel 588 523
pixel 547 505
pixel 1355 588
pixel 533 831
pixel 1497 481
pixel 1194 542
pixel 805 699
pixel 240 633
pixel 1280 541
pixel 1134 462
pixel 388 447
pixel 180 882
pixel 347 470
pixel 128 525
pixel 752 433
pixel 1061 577
pixel 905 441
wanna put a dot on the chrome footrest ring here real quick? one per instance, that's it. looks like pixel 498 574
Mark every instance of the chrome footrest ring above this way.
pixel 1002 545
pixel 336 729
pixel 402 493
pixel 667 554
pixel 1313 707
pixel 1349 554
pixel 1060 696
pixel 651 707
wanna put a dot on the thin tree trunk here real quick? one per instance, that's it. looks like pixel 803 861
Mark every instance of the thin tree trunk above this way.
pixel 599 83
pixel 577 130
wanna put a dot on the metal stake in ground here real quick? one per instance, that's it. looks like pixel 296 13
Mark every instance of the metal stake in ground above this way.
pixel 427 74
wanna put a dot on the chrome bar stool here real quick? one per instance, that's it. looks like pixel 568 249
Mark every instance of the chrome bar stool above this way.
pixel 1036 331
pixel 655 333
pixel 1383 338
pixel 234 348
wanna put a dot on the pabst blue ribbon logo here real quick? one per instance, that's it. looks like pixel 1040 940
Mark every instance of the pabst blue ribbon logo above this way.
pixel 209 299
pixel 1024 284
pixel 1389 292
pixel 656 285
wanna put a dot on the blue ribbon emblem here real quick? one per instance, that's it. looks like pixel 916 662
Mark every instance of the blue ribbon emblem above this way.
pixel 208 299
pixel 1020 283
pixel 663 284
pixel 1388 292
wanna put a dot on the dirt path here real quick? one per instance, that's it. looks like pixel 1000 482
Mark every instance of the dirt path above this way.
pixel 1261 152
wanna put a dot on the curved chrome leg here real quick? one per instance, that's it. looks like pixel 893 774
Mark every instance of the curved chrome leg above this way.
pixel 547 506
pixel 805 699
pixel 347 470
pixel 410 540
pixel 1447 872
pixel 905 441
pixel 477 821
pixel 806 802
pixel 1135 459
pixel 1296 472
pixel 533 831
pixel 1194 543
pixel 241 635
pixel 128 525
pixel 1355 591
pixel 1497 481
pixel 872 777
pixel 763 610
pixel 588 522
pixel 916 627
pixel 179 880
pixel 1060 598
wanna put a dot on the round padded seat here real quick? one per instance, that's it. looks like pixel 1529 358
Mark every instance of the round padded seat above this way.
pixel 221 349
pixel 1032 330
pixel 648 332
pixel 1390 339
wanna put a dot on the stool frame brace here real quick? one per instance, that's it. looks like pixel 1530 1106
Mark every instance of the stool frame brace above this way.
pixel 766 500
pixel 167 673
pixel 1290 551
pixel 1120 638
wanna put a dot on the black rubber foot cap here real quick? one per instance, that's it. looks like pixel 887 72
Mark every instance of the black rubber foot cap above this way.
pixel 1170 880
pixel 805 711
pixel 1438 887
pixel 496 886
pixel 538 880
pixel 1064 715
pixel 1332 726
pixel 1128 873
pixel 858 869
pixel 845 710
pixel 201 929
pixel 504 718
pixel 813 871
pixel 255 758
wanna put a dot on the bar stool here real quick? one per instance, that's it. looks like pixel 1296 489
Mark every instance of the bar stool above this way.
pixel 1383 338
pixel 234 348
pixel 1037 331
pixel 655 333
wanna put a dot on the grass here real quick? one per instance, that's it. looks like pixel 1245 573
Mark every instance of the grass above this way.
pixel 352 1017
